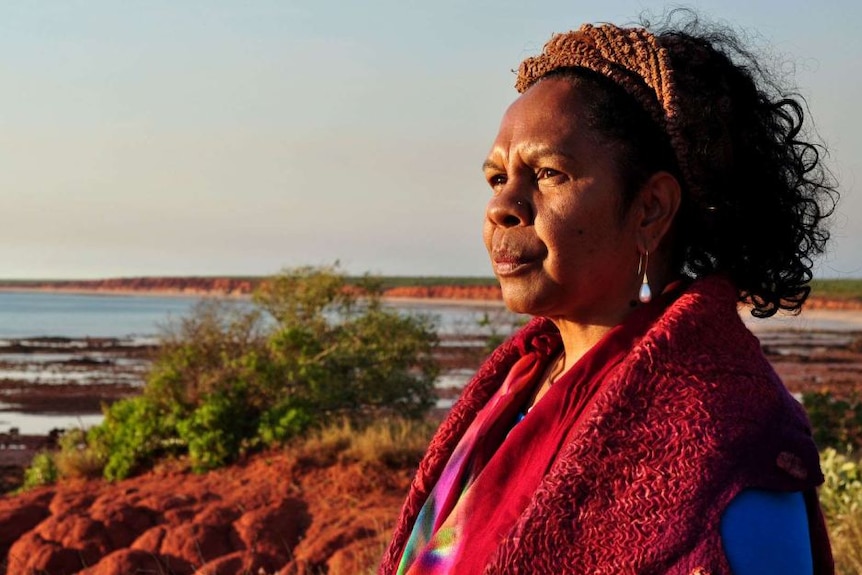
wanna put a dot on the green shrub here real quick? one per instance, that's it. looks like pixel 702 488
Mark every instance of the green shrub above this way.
pixel 283 421
pixel 339 354
pixel 310 349
pixel 835 422
pixel 841 491
pixel 215 430
pixel 841 500
pixel 206 352
pixel 134 434
pixel 42 471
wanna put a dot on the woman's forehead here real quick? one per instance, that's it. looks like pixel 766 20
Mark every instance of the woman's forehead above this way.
pixel 551 111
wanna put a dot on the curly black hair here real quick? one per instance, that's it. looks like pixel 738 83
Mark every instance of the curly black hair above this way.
pixel 756 192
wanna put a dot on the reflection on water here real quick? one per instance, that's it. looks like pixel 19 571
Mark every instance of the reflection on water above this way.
pixel 43 423
pixel 32 314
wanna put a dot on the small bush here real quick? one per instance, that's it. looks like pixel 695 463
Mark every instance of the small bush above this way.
pixel 215 430
pixel 841 491
pixel 841 500
pixel 134 434
pixel 835 422
pixel 311 349
pixel 42 471
pixel 284 421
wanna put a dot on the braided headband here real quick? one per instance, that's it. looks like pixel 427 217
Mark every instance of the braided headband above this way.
pixel 630 57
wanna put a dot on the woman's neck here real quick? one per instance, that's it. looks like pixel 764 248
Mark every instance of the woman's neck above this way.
pixel 578 339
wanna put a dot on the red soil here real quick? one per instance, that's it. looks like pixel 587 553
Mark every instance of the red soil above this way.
pixel 270 514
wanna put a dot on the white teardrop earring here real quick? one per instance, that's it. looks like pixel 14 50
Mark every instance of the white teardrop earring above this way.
pixel 645 293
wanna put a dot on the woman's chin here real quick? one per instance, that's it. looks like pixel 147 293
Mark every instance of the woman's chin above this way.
pixel 520 300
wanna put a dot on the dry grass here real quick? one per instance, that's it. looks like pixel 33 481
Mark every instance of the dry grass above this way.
pixel 846 536
pixel 396 443
pixel 76 459
pixel 841 499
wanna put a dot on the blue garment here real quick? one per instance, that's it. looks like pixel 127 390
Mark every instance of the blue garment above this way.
pixel 766 532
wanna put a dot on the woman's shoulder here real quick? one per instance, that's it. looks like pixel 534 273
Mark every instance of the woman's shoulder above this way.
pixel 702 333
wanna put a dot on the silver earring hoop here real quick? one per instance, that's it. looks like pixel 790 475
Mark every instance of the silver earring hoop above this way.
pixel 645 293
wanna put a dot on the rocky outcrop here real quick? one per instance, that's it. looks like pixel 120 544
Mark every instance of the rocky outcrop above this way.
pixel 234 287
pixel 455 292
pixel 268 515
pixel 155 285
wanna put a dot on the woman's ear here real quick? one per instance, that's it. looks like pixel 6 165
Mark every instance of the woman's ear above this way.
pixel 659 199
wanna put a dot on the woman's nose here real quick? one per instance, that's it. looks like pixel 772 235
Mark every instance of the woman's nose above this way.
pixel 508 209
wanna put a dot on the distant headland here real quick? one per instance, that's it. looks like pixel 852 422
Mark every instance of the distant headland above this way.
pixel 837 294
pixel 448 288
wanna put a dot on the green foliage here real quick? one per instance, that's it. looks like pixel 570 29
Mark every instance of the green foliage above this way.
pixel 841 491
pixel 835 422
pixel 837 427
pixel 206 352
pixel 837 288
pixel 42 471
pixel 343 354
pixel 841 500
pixel 215 430
pixel 311 348
pixel 134 433
pixel 283 421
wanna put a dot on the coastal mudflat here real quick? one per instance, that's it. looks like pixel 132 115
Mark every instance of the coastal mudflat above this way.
pixel 48 384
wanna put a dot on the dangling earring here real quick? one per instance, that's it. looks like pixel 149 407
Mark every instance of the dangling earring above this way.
pixel 645 293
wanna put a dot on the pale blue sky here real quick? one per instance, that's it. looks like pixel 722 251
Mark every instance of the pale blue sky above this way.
pixel 212 137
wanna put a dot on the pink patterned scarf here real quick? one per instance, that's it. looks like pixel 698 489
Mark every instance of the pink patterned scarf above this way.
pixel 496 468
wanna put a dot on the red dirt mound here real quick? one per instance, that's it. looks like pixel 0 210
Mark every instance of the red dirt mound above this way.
pixel 268 515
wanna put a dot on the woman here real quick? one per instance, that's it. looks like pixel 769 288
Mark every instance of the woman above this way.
pixel 643 184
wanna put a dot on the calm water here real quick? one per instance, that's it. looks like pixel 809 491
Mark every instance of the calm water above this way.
pixel 33 314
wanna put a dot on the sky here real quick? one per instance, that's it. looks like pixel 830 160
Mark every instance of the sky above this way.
pixel 243 137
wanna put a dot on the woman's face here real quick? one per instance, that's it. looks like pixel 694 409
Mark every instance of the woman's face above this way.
pixel 558 241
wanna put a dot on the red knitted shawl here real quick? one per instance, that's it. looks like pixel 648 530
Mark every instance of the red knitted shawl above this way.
pixel 692 416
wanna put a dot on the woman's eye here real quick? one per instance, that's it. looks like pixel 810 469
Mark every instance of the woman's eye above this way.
pixel 497 180
pixel 545 173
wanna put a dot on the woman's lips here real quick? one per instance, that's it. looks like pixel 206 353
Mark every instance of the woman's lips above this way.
pixel 509 263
